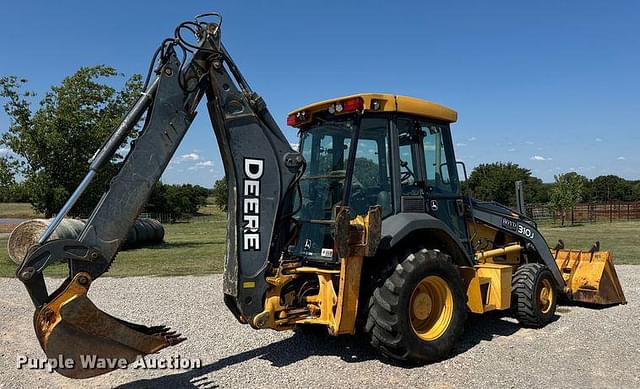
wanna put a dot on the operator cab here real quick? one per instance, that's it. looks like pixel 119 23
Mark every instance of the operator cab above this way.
pixel 374 149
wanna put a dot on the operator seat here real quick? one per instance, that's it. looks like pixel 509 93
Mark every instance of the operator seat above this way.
pixel 384 199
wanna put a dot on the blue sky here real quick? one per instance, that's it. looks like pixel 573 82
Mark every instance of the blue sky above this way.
pixel 553 86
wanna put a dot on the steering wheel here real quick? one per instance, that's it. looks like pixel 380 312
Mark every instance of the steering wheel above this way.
pixel 407 174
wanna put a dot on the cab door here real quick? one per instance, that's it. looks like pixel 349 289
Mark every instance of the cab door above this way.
pixel 442 193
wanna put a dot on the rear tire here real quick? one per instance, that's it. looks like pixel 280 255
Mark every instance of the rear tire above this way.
pixel 533 295
pixel 417 315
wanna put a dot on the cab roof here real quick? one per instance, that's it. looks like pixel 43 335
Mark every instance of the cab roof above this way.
pixel 384 102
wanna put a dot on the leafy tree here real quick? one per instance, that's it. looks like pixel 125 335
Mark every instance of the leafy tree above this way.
pixel 177 200
pixel 496 182
pixel 542 193
pixel 54 142
pixel 7 178
pixel 367 172
pixel 7 175
pixel 607 188
pixel 587 190
pixel 18 193
pixel 635 194
pixel 566 193
pixel 219 193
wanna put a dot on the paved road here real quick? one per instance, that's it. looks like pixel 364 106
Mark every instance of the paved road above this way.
pixel 582 348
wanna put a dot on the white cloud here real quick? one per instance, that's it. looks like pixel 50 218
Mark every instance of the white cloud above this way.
pixel 201 165
pixel 4 150
pixel 598 139
pixel 472 139
pixel 460 144
pixel 529 142
pixel 210 170
pixel 190 157
pixel 295 146
pixel 540 158
pixel 512 149
pixel 621 158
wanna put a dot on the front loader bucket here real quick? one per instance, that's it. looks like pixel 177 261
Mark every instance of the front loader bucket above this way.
pixel 85 342
pixel 590 276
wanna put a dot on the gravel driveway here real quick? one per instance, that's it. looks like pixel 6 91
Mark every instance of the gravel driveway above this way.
pixel 582 348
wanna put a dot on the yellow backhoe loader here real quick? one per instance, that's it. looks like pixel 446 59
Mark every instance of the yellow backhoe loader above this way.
pixel 363 228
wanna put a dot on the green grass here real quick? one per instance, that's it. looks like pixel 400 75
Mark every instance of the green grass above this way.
pixel 619 237
pixel 18 211
pixel 197 247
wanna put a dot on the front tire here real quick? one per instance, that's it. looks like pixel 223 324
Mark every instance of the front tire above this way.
pixel 533 295
pixel 417 315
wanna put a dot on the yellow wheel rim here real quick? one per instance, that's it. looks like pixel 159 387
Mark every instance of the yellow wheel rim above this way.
pixel 545 296
pixel 431 308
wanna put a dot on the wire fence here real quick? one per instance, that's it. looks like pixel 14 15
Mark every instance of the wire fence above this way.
pixel 587 212
pixel 582 213
pixel 162 217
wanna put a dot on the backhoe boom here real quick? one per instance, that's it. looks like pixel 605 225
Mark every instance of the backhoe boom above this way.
pixel 259 164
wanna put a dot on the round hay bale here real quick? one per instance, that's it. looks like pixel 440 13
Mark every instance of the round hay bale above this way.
pixel 143 231
pixel 69 229
pixel 148 232
pixel 27 233
pixel 158 231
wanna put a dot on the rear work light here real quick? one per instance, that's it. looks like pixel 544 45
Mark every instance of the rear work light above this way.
pixel 296 118
pixel 350 105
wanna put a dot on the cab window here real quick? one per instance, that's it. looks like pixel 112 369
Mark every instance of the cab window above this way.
pixel 436 158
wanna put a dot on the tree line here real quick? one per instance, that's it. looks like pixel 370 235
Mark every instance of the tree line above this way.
pixel 51 143
pixel 495 182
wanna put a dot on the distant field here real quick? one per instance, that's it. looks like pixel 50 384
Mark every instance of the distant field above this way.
pixel 197 247
pixel 623 238
pixel 18 211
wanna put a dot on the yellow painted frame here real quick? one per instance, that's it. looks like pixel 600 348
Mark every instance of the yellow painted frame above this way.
pixel 388 103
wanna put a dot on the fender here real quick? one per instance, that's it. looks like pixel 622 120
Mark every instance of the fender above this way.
pixel 397 227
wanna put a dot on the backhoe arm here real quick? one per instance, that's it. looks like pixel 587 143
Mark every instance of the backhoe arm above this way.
pixel 261 169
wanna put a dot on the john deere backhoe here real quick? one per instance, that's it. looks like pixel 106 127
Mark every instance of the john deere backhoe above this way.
pixel 363 228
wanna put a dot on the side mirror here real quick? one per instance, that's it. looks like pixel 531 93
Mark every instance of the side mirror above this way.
pixel 464 169
pixel 444 178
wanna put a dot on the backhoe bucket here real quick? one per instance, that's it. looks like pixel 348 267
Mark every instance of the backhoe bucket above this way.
pixel 590 276
pixel 85 342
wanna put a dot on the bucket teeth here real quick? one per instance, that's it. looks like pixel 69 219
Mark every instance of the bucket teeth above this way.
pixel 171 337
pixel 71 327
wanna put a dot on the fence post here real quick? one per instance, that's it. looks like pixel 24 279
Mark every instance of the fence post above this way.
pixel 610 212
pixel 572 216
